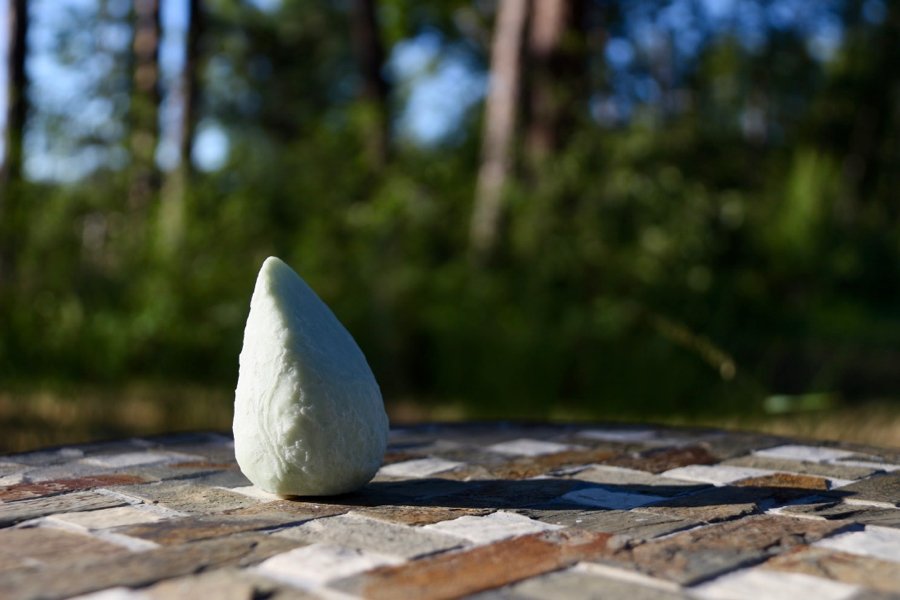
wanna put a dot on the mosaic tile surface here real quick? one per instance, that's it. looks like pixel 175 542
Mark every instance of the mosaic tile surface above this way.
pixel 485 510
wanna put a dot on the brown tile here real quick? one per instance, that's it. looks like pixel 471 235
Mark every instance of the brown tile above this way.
pixel 456 574
pixel 663 459
pixel 703 552
pixel 24 491
pixel 532 466
pixel 786 480
pixel 33 546
pixel 419 515
pixel 840 566
pixel 140 569
pixel 23 510
pixel 289 511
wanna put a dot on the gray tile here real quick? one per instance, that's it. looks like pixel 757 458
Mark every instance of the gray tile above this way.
pixel 363 533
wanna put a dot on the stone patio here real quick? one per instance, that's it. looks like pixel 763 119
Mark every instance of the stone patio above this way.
pixel 492 510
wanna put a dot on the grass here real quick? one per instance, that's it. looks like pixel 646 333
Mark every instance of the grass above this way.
pixel 49 416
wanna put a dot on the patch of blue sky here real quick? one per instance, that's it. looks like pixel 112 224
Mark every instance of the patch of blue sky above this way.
pixel 439 85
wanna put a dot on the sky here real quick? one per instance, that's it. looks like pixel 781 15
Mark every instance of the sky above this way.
pixel 435 78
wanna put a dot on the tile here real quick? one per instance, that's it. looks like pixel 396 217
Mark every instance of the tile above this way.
pixel 23 510
pixel 27 490
pixel 628 524
pixel 527 447
pixel 224 584
pixel 141 569
pixel 582 583
pixel 715 474
pixel 532 466
pixel 116 593
pixel 600 497
pixel 726 503
pixel 315 565
pixel 289 512
pixel 878 542
pixel 863 514
pixel 251 491
pixel 422 467
pixel 793 481
pixel 868 464
pixel 182 530
pixel 133 459
pixel 701 553
pixel 854 569
pixel 419 515
pixel 733 444
pixel 187 497
pixel 638 481
pixel 834 470
pixel 490 528
pixel 753 584
pixel 882 490
pixel 106 518
pixel 559 514
pixel 804 453
pixel 502 493
pixel 466 572
pixel 40 546
pixel 663 459
pixel 624 436
pixel 362 533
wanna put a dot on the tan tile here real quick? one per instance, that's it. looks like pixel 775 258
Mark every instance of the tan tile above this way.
pixel 839 566
pixel 40 546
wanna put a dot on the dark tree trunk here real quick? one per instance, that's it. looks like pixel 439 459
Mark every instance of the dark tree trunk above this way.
pixel 374 89
pixel 16 89
pixel 190 89
pixel 501 109
pixel 557 61
pixel 145 99
pixel 174 197
pixel 16 114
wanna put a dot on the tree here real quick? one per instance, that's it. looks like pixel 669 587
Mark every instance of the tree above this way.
pixel 374 91
pixel 174 195
pixel 145 99
pixel 16 113
pixel 557 72
pixel 501 111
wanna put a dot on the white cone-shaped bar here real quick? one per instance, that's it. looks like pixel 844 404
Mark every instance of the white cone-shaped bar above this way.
pixel 308 415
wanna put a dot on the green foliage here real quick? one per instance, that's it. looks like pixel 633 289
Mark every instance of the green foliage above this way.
pixel 672 264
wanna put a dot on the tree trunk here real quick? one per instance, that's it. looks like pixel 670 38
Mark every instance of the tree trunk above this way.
pixel 374 90
pixel 557 71
pixel 172 211
pixel 16 113
pixel 501 108
pixel 145 100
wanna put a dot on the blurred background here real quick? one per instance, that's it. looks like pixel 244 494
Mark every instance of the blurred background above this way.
pixel 682 211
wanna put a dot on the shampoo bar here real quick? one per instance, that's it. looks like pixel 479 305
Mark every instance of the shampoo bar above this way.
pixel 308 414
